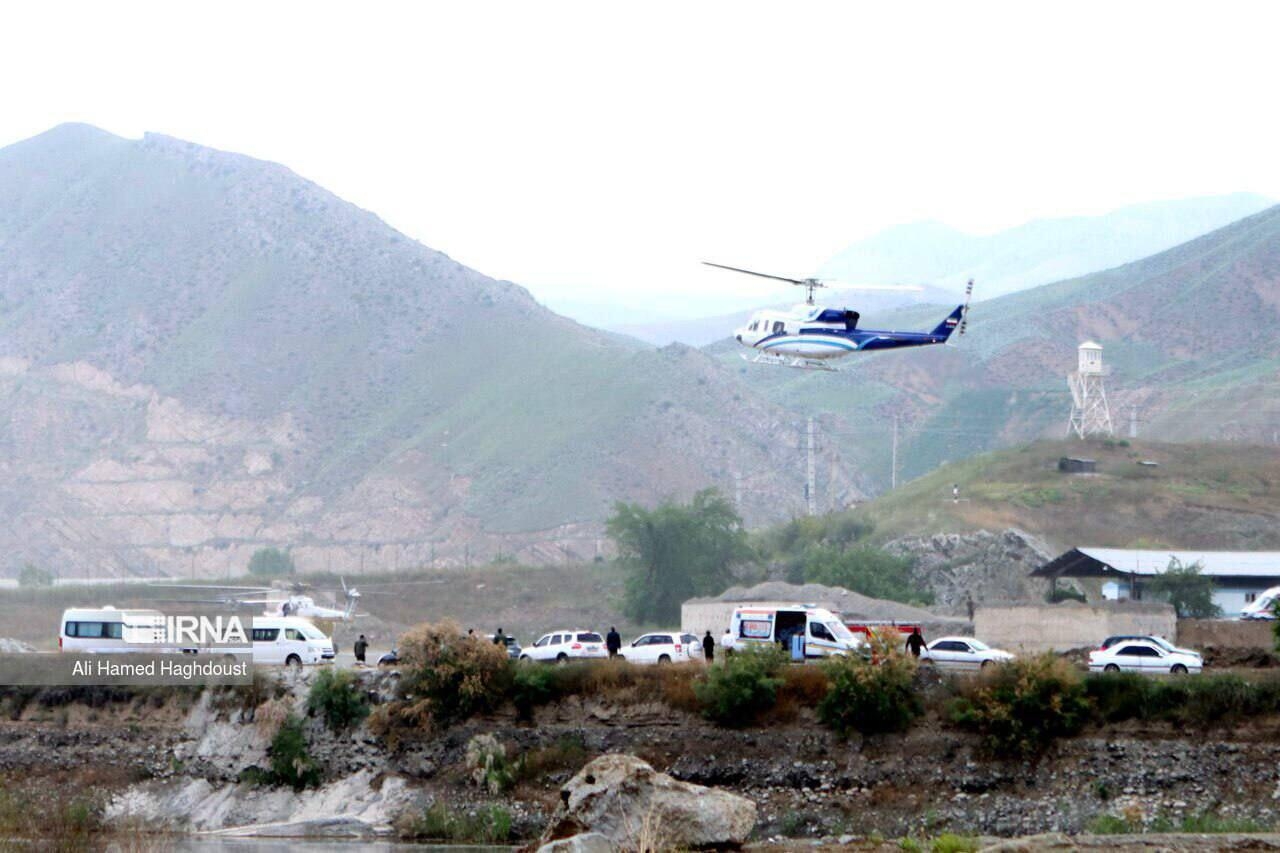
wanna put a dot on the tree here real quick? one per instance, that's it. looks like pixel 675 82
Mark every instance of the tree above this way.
pixel 676 551
pixel 864 569
pixel 1189 591
pixel 270 562
pixel 33 575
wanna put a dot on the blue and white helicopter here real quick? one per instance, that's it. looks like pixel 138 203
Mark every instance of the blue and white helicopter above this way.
pixel 809 335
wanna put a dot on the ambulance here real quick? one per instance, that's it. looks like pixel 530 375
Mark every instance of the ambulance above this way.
pixel 806 631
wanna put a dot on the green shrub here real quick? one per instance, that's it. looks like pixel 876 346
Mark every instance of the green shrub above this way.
pixel 1021 707
pixel 744 687
pixel 531 687
pixel 870 698
pixel 447 676
pixel 291 762
pixel 1203 701
pixel 951 843
pixel 337 698
pixel 1109 824
pixel 486 825
pixel 270 562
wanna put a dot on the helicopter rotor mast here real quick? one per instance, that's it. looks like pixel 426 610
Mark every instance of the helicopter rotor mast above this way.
pixel 809 284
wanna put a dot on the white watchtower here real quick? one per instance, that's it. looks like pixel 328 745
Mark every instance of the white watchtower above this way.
pixel 1090 414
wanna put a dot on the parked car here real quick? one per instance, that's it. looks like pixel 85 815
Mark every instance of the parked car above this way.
pixel 513 645
pixel 1143 656
pixel 962 653
pixel 662 648
pixel 563 646
pixel 1147 638
pixel 391 658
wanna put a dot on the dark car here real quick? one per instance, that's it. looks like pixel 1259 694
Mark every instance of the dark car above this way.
pixel 391 658
pixel 513 646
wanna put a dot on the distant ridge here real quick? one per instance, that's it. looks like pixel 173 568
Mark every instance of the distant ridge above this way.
pixel 1038 252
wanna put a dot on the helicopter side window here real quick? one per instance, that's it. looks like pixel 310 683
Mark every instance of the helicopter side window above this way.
pixel 778 326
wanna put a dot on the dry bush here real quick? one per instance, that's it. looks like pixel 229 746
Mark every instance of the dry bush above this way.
pixel 270 716
pixel 806 686
pixel 447 676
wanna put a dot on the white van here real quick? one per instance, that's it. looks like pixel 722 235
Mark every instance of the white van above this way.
pixel 104 630
pixel 823 632
pixel 289 640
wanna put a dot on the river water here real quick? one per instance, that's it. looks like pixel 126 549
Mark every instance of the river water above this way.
pixel 208 844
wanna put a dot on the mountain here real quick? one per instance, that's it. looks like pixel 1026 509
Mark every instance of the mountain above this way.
pixel 202 354
pixel 1038 252
pixel 1191 334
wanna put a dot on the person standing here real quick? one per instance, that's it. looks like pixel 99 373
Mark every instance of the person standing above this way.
pixel 968 605
pixel 613 642
pixel 709 648
pixel 361 646
pixel 499 639
pixel 915 642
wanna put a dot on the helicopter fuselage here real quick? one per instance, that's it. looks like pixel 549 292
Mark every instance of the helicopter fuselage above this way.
pixel 815 333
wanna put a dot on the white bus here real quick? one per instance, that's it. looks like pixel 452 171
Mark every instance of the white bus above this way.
pixel 106 630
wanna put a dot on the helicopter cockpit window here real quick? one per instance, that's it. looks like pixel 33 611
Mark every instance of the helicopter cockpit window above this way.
pixel 778 326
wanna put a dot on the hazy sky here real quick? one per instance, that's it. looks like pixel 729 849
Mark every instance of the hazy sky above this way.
pixel 601 149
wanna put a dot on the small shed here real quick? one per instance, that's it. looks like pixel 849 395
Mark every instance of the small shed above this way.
pixel 1077 465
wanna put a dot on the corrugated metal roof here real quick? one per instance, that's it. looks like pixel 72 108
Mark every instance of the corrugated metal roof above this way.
pixel 1221 563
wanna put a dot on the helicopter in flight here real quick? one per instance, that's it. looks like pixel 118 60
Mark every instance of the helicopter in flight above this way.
pixel 808 335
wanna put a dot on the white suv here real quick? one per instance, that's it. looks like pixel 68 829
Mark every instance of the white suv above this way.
pixel 563 646
pixel 662 648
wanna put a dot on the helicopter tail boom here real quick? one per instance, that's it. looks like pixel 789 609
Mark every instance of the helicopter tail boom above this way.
pixel 949 325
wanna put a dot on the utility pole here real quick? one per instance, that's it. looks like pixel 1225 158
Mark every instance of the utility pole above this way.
pixel 810 485
pixel 893 477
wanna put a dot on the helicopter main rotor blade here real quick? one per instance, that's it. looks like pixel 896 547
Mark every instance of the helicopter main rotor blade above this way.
pixel 877 288
pixel 763 274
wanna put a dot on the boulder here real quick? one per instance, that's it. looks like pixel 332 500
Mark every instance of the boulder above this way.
pixel 634 806
pixel 587 842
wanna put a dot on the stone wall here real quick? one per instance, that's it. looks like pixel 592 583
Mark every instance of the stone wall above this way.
pixel 1226 633
pixel 1069 625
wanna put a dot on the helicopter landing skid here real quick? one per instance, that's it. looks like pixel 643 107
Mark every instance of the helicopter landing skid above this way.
pixel 788 361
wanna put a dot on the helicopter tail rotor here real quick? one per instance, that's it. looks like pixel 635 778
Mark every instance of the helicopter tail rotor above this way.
pixel 964 314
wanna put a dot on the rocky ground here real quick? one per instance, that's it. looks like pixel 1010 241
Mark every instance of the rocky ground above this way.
pixel 176 765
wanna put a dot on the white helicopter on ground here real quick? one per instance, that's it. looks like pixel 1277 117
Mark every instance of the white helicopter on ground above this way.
pixel 274 601
pixel 809 335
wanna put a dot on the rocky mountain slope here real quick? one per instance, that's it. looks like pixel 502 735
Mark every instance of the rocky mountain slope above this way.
pixel 204 354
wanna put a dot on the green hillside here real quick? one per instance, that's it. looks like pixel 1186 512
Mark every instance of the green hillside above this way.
pixel 1190 333
pixel 1219 496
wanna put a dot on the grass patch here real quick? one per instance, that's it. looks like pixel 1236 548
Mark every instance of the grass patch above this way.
pixel 485 825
